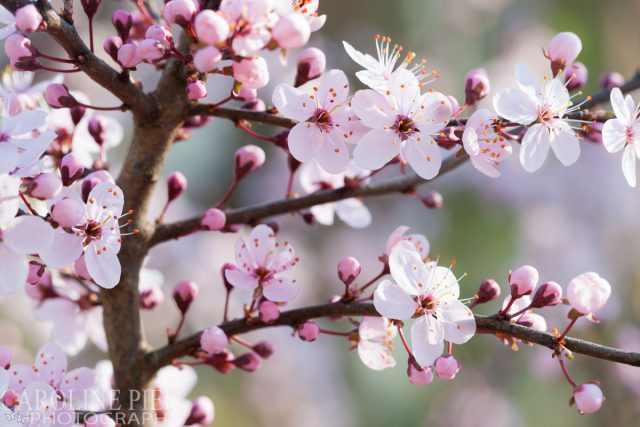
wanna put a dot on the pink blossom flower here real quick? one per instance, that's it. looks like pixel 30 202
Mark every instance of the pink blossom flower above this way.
pixel 252 72
pixel 429 294
pixel 485 147
pixel 207 59
pixel 588 293
pixel 542 110
pixel 326 125
pixel 306 8
pixel 196 90
pixel 401 121
pixel 21 94
pixel 292 30
pixel 259 261
pixel 352 211
pixel 251 21
pixel 180 12
pixel 419 242
pixel 23 139
pixel 622 133
pixel 97 236
pixel 375 344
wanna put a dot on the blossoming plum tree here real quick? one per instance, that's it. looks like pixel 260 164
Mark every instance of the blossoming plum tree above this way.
pixel 75 237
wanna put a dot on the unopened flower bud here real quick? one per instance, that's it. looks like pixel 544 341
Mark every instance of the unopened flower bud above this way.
pixel 292 30
pixel 311 63
pixel 87 185
pixel 202 412
pixel 211 28
pixel 252 72
pixel 576 76
pixel 348 270
pixel 45 186
pixel 593 131
pixel 455 105
pixel 268 311
pixel 588 292
pixel 476 85
pixel 255 105
pixel 308 331
pixel 5 358
pixel 418 375
pixel 213 219
pixel 562 50
pixel 151 298
pixel 489 290
pixel 227 266
pixel 122 21
pixel 71 168
pixel 447 367
pixel 196 90
pixel 36 271
pixel 43 290
pixel 128 55
pixel 68 212
pixel 610 80
pixel 150 50
pixel 161 34
pixel 432 200
pixel 184 293
pixel 533 321
pixel 523 280
pixel 176 185
pixel 180 12
pixel 214 340
pixel 28 19
pixel 249 362
pixel 588 398
pixel 90 7
pixel 207 59
pixel 57 96
pixel 264 349
pixel 99 420
pixel 548 294
pixel 77 113
pixel 248 159
pixel 222 362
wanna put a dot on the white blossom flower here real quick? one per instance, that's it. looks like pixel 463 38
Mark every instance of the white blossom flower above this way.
pixel 623 133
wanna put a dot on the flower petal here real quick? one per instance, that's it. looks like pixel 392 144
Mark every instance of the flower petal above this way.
pixel 408 270
pixel 619 106
pixel 458 321
pixel 516 105
pixel 373 108
pixel 333 89
pixel 427 335
pixel 28 234
pixel 305 140
pixel 9 199
pixel 375 149
pixel 262 244
pixel 424 156
pixel 391 301
pixel 241 280
pixel 333 155
pixel 443 283
pixel 375 355
pixel 614 135
pixel 292 102
pixel 51 364
pixel 535 147
pixel 629 165
pixel 353 212
pixel 566 146
pixel 103 266
pixel 13 270
pixel 280 290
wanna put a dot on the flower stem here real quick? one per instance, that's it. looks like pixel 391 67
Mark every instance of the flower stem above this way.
pixel 374 280
pixel 565 372
pixel 336 333
pixel 566 331
pixel 404 342
pixel 228 194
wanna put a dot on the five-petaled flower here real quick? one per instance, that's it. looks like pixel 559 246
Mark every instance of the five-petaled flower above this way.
pixel 484 145
pixel 623 132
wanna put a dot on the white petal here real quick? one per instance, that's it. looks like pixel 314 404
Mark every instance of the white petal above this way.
pixel 443 283
pixel 365 60
pixel 535 147
pixel 28 234
pixel 324 214
pixel 619 105
pixel 105 200
pixel 333 89
pixel 614 135
pixel 629 165
pixel 292 102
pixel 458 321
pixel 241 280
pixel 373 108
pixel 408 270
pixel 262 244
pixel 25 122
pixel 354 213
pixel 427 335
pixel 51 364
pixel 280 290
pixel 566 146
pixel 333 155
pixel 424 156
pixel 556 95
pixel 103 266
pixel 305 140
pixel 391 301
pixel 9 199
pixel 470 141
pixel 13 270
pixel 64 250
pixel 516 105
pixel 8 158
pixel 375 149
pixel 375 356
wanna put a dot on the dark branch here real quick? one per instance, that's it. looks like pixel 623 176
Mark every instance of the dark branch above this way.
pixel 184 347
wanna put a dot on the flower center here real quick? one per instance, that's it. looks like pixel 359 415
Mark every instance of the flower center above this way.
pixel 93 230
pixel 4 137
pixel 428 302
pixel 323 119
pixel 404 127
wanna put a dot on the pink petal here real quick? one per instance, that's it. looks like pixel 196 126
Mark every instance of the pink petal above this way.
pixel 566 146
pixel 375 149
pixel 535 147
pixel 614 135
pixel 393 302
pixel 333 155
pixel 64 250
pixel 516 105
pixel 280 290
pixel 28 234
pixel 241 280
pixel 333 89
pixel 76 382
pixel 103 266
pixel 292 102
pixel 9 199
pixel 408 270
pixel 106 199
pixel 51 364
pixel 13 270
pixel 373 108
pixel 458 321
pixel 427 335
pixel 305 140
pixel 375 356
pixel 262 244
pixel 354 213
pixel 424 156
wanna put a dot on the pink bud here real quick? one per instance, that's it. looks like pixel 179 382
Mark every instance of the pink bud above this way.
pixel 292 30
pixel 576 76
pixel 5 358
pixel 255 105
pixel 45 186
pixel 128 56
pixel 433 200
pixel 562 50
pixel 489 290
pixel 28 19
pixel 523 280
pixel 264 349
pixel 18 48
pixel 43 290
pixel 348 270
pixel 223 271
pixel 68 212
pixel 447 367
pixel 308 331
pixel 176 185
pixel 150 50
pixel 80 267
pixel 213 220
pixel 71 168
pixel 248 159
pixel 122 21
pixel 151 298
pixel 246 94
pixel 311 63
pixel 10 399
pixel 268 311
pixel 533 321
pixel 210 27
pixel 99 420
pixel 548 294
pixel 249 362
pixel 252 72
pixel 97 128
pixel 610 80
pixel 184 293
pixel 36 271
pixel 476 85
pixel 214 340
pixel 588 397
pixel 207 59
pixel 202 412
pixel 593 131
pixel 77 113
pixel 588 292
pixel 419 376
pixel 179 12
pixel 87 185
pixel 57 96
pixel 196 90
pixel 161 34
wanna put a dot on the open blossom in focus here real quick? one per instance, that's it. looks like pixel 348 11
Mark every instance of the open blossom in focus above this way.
pixel 419 241
pixel 485 147
pixel 260 259
pixel 401 122
pixel 326 122
pixel 96 234
pixel 429 294
pixel 23 139
pixel 19 236
pixel 375 343
pixel 352 211
pixel 623 133
pixel 542 108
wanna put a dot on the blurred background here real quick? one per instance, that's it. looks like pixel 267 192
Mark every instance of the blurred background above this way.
pixel 564 221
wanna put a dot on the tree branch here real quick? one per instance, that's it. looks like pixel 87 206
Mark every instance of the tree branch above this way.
pixel 184 347
pixel 603 96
